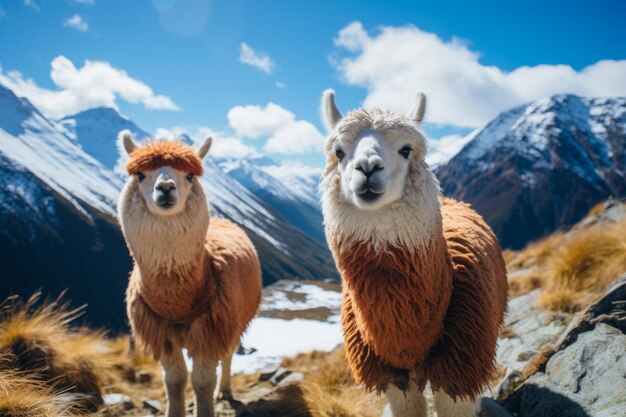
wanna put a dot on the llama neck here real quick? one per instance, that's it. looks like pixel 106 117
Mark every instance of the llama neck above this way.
pixel 165 245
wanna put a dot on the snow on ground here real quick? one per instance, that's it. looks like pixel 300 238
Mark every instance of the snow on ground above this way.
pixel 277 338
pixel 314 296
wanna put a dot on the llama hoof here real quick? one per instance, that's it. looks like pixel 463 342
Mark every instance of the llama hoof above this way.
pixel 225 396
pixel 228 397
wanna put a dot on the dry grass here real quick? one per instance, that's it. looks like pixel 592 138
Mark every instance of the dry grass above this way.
pixel 39 343
pixel 583 266
pixel 37 338
pixel 534 254
pixel 22 397
pixel 573 269
pixel 329 389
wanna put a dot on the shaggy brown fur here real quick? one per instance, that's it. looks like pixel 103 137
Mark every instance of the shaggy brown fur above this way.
pixel 156 154
pixel 196 282
pixel 206 315
pixel 433 312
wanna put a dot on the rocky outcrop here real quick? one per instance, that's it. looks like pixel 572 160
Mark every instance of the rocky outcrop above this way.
pixel 583 374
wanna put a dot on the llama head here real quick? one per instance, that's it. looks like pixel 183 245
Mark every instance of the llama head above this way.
pixel 376 186
pixel 373 153
pixel 164 173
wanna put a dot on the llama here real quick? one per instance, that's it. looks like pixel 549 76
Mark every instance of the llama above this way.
pixel 196 280
pixel 424 282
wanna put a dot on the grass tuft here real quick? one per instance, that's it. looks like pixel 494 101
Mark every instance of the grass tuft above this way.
pixel 329 389
pixel 37 338
pixel 572 269
pixel 22 397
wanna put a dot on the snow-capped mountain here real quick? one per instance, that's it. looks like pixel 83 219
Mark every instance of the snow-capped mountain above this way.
pixel 273 223
pixel 57 229
pixel 95 126
pixel 58 200
pixel 289 189
pixel 542 165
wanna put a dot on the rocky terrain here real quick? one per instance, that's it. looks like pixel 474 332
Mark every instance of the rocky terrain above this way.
pixel 560 354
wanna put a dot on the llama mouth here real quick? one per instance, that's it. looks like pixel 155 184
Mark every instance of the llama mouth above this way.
pixel 166 204
pixel 369 196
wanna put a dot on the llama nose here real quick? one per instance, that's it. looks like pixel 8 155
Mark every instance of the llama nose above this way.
pixel 368 166
pixel 166 185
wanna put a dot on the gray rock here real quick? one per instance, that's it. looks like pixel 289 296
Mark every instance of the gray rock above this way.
pixel 292 378
pixel 153 406
pixel 242 350
pixel 584 375
pixel 533 328
pixel 121 400
pixel 588 378
pixel 80 402
pixel 279 375
pixel 267 372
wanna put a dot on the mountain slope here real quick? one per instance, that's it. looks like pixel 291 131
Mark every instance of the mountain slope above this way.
pixel 58 212
pixel 292 194
pixel 287 247
pixel 97 129
pixel 55 233
pixel 541 166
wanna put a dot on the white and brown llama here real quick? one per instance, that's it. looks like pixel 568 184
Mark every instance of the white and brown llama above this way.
pixel 196 281
pixel 424 282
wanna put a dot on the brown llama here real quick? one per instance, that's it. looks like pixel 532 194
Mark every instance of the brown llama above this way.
pixel 424 282
pixel 196 281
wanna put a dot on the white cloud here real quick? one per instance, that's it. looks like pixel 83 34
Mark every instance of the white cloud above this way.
pixel 294 138
pixel 97 83
pixel 396 62
pixel 85 2
pixel 445 148
pixel 286 134
pixel 224 146
pixel 256 121
pixel 256 59
pixel 229 147
pixel 281 85
pixel 76 22
pixel 32 5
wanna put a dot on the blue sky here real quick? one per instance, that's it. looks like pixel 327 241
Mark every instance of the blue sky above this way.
pixel 473 59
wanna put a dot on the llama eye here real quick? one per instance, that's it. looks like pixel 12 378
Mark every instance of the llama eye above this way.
pixel 340 154
pixel 189 177
pixel 405 152
pixel 140 176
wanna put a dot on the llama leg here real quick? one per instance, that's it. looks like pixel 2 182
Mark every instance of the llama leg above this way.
pixel 175 378
pixel 409 403
pixel 204 379
pixel 225 391
pixel 447 407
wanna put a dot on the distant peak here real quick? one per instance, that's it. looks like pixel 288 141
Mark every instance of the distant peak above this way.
pixel 102 111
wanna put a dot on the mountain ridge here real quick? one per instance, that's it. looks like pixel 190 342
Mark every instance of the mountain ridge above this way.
pixel 540 166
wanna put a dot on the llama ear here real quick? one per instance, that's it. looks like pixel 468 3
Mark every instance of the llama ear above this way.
pixel 417 114
pixel 204 147
pixel 125 142
pixel 330 114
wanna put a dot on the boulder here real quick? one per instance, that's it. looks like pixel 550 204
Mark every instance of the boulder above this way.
pixel 584 374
